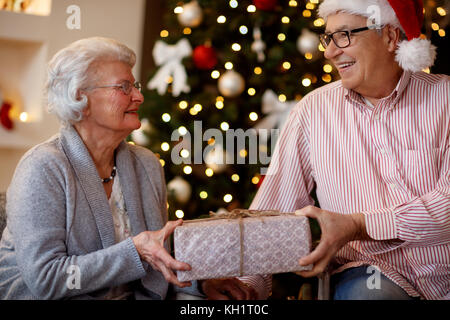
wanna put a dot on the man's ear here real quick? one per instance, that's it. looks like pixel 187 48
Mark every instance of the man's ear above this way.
pixel 392 38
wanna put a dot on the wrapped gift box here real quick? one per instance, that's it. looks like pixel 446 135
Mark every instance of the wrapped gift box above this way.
pixel 242 243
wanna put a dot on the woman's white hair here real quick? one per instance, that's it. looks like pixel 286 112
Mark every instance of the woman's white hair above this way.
pixel 69 71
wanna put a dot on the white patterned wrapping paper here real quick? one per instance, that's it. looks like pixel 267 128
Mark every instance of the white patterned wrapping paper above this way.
pixel 271 244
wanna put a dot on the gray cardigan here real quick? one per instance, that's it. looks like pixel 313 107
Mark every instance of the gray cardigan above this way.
pixel 60 225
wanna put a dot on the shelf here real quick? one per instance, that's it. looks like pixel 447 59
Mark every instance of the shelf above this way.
pixel 22 75
pixel 23 63
pixel 26 27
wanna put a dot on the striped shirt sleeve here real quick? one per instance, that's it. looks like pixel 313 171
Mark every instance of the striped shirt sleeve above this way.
pixel 422 221
pixel 289 182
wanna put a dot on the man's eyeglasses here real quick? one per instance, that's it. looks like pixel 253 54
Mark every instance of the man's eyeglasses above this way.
pixel 125 86
pixel 342 38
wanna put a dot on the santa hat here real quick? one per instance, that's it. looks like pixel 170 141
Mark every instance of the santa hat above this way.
pixel 414 54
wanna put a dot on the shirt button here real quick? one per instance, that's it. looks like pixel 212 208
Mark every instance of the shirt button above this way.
pixel 377 116
pixel 418 237
pixel 393 186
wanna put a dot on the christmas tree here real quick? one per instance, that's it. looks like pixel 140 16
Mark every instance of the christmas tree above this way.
pixel 223 69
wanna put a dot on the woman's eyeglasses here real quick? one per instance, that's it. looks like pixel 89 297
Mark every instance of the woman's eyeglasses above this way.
pixel 342 38
pixel 125 86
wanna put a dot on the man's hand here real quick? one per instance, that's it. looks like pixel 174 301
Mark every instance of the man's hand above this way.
pixel 227 289
pixel 337 230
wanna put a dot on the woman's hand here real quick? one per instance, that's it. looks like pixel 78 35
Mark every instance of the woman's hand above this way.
pixel 227 289
pixel 150 246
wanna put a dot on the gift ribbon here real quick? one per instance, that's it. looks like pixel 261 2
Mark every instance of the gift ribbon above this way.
pixel 241 214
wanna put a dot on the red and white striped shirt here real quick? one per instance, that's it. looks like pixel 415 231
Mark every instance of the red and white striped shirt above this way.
pixel 390 162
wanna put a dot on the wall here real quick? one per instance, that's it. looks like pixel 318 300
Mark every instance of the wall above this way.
pixel 34 40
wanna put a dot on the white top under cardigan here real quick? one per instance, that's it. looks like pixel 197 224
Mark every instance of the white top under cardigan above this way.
pixel 122 232
pixel 119 212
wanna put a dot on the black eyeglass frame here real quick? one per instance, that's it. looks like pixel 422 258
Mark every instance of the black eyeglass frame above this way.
pixel 325 36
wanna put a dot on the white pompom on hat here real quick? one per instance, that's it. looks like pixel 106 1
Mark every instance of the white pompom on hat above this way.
pixel 413 54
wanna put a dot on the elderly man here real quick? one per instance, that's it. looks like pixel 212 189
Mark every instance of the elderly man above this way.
pixel 375 146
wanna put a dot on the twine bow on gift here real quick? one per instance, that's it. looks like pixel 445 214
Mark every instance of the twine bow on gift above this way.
pixel 169 57
pixel 276 111
pixel 243 213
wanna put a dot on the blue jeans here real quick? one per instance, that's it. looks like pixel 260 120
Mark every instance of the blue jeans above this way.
pixel 365 283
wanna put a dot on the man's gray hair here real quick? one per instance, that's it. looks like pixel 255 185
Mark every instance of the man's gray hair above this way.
pixel 69 71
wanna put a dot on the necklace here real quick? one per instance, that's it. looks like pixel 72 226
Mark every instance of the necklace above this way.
pixel 113 174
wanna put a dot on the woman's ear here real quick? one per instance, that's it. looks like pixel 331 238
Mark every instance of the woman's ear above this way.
pixel 86 112
pixel 81 95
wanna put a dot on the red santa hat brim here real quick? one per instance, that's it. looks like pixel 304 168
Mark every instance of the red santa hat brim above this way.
pixel 365 8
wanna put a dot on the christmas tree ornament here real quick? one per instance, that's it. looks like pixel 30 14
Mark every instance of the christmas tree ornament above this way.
pixel 218 159
pixel 231 84
pixel 168 58
pixel 191 16
pixel 5 116
pixel 139 136
pixel 205 57
pixel 180 189
pixel 308 42
pixel 258 45
pixel 276 114
pixel 266 5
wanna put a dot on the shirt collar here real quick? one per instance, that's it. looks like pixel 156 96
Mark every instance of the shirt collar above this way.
pixel 391 100
pixel 401 85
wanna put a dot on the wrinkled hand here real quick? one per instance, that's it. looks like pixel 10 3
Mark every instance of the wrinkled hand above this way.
pixel 227 289
pixel 150 246
pixel 337 229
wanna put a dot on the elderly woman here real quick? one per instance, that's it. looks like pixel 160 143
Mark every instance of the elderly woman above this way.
pixel 87 212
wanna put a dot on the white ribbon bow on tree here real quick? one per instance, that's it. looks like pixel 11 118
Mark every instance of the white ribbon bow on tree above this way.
pixel 276 111
pixel 169 57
